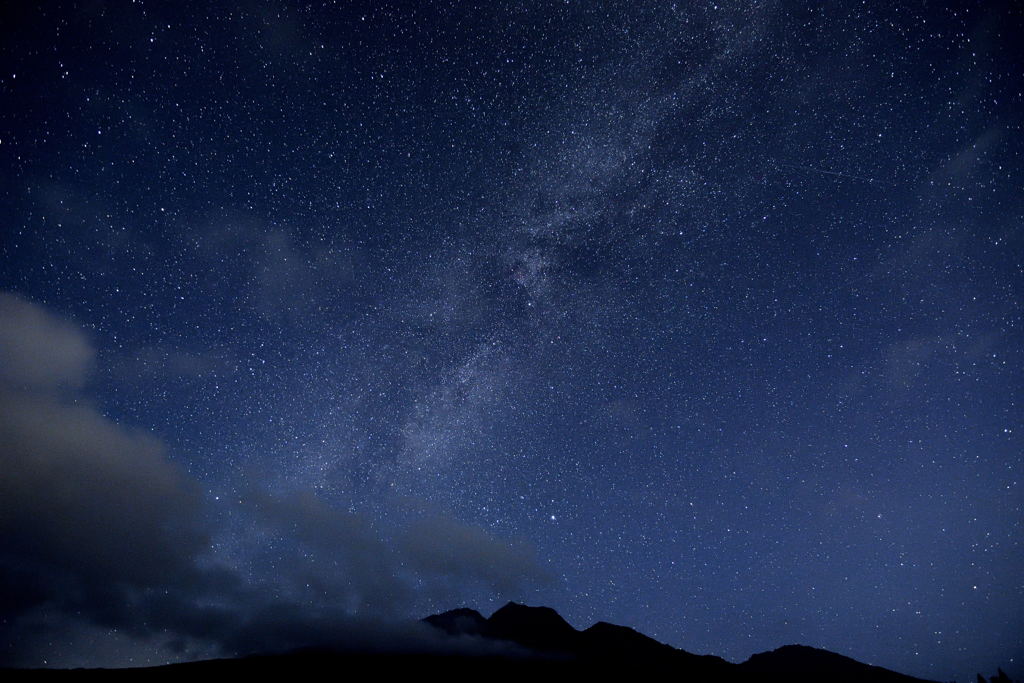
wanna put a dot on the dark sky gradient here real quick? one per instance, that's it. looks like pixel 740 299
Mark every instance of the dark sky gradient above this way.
pixel 702 318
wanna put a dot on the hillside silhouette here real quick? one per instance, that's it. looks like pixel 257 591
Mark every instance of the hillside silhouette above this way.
pixel 543 631
pixel 518 641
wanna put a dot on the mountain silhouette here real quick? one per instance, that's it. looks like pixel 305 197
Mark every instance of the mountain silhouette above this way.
pixel 536 628
pixel 519 641
pixel 610 639
pixel 542 628
pixel 803 663
pixel 544 631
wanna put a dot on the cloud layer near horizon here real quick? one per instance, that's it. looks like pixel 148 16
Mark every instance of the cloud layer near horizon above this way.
pixel 98 525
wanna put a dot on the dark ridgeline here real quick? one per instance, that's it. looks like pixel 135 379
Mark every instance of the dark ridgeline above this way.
pixel 802 663
pixel 519 641
pixel 544 631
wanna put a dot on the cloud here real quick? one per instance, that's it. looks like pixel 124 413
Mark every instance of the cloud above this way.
pixel 85 494
pixel 89 510
pixel 99 527
pixel 283 278
pixel 40 350
pixel 442 546
pixel 378 568
pixel 342 558
pixel 167 364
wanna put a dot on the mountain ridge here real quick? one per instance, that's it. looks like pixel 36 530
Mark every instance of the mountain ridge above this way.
pixel 543 630
pixel 517 641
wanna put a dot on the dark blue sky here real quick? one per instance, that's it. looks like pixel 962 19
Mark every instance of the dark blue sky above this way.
pixel 702 318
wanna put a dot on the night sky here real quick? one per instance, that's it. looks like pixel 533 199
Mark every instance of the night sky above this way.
pixel 702 318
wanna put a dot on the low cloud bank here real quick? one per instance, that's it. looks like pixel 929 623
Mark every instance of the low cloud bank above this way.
pixel 99 527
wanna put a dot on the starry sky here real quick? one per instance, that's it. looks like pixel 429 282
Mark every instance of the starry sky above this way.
pixel 698 317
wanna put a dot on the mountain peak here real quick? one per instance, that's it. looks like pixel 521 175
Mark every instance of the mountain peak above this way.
pixel 539 616
pixel 539 611
pixel 540 628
